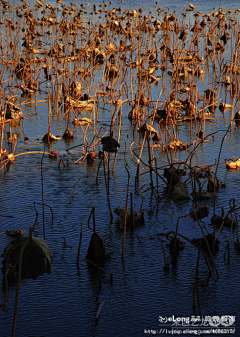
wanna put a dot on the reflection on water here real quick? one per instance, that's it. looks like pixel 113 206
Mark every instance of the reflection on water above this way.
pixel 66 302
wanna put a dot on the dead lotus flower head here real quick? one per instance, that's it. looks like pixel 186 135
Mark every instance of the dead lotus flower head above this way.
pixel 36 258
pixel 110 144
pixel 76 89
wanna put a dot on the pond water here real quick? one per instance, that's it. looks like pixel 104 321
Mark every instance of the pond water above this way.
pixel 65 303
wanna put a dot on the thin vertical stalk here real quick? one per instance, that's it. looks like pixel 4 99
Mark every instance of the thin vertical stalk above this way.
pixel 80 239
pixel 125 217
pixel 107 190
pixel 19 281
pixel 42 195
pixel 150 162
